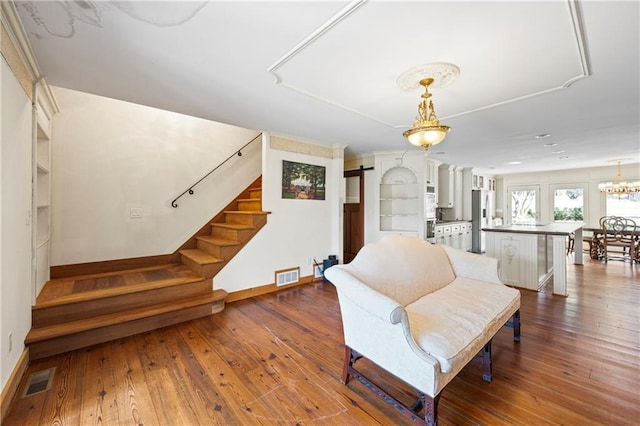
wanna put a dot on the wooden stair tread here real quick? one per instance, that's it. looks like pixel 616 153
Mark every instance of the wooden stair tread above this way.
pixel 218 241
pixel 245 212
pixel 232 226
pixel 189 277
pixel 119 272
pixel 50 332
pixel 200 256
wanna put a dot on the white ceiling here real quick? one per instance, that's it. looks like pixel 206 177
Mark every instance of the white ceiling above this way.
pixel 326 71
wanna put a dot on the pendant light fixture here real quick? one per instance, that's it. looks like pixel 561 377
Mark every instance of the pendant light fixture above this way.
pixel 427 130
pixel 619 185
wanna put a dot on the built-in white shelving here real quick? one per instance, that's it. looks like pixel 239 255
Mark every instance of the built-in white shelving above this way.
pixel 399 200
pixel 43 109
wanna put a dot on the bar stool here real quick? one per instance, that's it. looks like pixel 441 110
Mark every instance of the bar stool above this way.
pixel 571 243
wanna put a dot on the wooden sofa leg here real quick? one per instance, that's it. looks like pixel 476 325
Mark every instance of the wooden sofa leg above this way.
pixel 516 326
pixel 430 409
pixel 487 374
pixel 348 362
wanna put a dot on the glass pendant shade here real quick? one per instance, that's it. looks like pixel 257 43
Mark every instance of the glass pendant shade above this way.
pixel 427 136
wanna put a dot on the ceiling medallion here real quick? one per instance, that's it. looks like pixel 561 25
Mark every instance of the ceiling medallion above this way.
pixel 442 73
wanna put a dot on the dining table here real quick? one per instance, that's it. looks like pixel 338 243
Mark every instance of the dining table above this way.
pixel 596 248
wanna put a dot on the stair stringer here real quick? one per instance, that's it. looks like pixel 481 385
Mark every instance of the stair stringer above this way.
pixel 214 245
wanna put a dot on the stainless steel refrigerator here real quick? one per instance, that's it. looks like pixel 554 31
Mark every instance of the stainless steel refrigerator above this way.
pixel 480 216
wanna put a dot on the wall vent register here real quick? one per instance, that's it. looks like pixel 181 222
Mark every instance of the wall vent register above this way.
pixel 287 276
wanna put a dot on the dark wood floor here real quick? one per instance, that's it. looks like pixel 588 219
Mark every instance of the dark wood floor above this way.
pixel 277 359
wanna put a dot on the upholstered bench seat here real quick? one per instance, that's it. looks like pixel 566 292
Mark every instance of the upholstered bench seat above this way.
pixel 454 322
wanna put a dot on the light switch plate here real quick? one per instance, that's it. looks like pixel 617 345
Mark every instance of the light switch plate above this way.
pixel 135 213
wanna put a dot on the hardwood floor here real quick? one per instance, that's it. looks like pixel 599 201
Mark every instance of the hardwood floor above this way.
pixel 277 359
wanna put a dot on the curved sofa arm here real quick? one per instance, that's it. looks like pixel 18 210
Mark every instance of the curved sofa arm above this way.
pixel 472 265
pixel 385 309
pixel 363 296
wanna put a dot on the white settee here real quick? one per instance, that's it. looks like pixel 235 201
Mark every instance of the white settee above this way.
pixel 421 312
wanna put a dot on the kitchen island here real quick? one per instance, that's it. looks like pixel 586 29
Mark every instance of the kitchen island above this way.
pixel 531 254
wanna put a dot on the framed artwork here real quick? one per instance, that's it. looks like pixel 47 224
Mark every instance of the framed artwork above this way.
pixel 302 181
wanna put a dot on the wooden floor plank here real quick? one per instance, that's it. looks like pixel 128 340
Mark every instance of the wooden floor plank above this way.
pixel 276 359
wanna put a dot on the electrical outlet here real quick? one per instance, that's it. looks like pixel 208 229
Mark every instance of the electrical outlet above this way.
pixel 10 341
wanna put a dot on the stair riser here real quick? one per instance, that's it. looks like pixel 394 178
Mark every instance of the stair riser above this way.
pixel 90 308
pixel 255 193
pixel 104 334
pixel 206 270
pixel 249 205
pixel 242 219
pixel 221 252
pixel 241 235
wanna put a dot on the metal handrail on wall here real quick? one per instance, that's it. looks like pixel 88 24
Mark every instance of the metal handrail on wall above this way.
pixel 190 190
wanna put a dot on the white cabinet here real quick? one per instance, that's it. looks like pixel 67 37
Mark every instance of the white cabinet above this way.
pixel 43 110
pixel 492 184
pixel 483 182
pixel 431 172
pixel 455 234
pixel 465 236
pixel 523 258
pixel 446 185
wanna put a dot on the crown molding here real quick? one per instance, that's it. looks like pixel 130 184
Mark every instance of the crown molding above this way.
pixel 14 29
pixel 290 145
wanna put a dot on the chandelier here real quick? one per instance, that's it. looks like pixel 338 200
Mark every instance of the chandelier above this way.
pixel 619 185
pixel 427 130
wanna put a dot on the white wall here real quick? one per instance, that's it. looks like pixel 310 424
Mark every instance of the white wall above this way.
pixel 296 230
pixel 591 177
pixel 15 207
pixel 110 156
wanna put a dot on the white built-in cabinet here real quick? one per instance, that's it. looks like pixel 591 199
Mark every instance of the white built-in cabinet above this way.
pixel 446 185
pixel 483 182
pixel 399 206
pixel 431 172
pixel 399 200
pixel 44 107
pixel 454 234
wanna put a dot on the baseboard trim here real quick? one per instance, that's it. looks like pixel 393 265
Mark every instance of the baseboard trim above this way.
pixel 265 289
pixel 11 388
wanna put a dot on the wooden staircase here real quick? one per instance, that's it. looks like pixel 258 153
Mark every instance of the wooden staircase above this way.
pixel 110 300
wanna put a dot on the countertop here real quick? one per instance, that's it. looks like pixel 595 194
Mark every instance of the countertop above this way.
pixel 449 222
pixel 555 228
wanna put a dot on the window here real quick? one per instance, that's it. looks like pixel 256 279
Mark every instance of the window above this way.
pixel 524 204
pixel 568 204
pixel 626 205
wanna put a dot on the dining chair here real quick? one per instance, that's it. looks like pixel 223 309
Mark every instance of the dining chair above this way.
pixel 619 238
